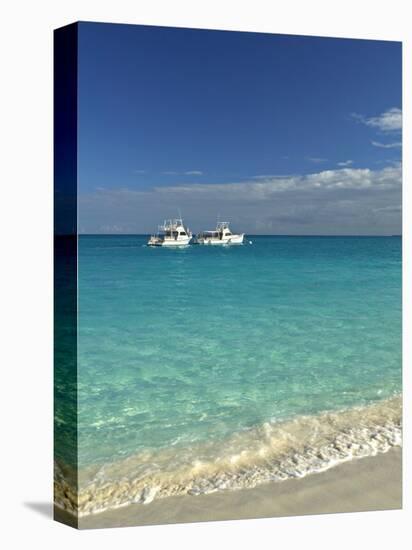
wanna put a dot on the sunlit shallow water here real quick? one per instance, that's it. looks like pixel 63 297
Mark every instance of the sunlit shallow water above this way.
pixel 198 363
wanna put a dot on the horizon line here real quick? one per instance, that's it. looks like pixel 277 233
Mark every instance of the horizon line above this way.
pixel 246 234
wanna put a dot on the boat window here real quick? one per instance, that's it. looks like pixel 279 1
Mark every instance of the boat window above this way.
pixel 182 233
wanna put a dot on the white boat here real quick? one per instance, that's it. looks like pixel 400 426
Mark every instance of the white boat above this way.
pixel 221 235
pixel 171 233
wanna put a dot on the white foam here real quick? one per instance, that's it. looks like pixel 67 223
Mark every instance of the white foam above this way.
pixel 270 452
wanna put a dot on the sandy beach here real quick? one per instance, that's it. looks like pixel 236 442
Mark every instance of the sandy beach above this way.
pixel 373 483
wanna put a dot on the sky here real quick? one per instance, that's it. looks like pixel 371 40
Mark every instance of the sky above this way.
pixel 277 134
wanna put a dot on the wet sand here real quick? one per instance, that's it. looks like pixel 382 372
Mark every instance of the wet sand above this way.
pixel 373 483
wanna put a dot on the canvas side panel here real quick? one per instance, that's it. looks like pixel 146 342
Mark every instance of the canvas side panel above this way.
pixel 65 275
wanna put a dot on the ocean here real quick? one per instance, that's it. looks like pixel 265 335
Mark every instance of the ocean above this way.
pixel 215 368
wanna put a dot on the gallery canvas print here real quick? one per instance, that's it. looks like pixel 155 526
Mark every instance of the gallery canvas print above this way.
pixel 228 258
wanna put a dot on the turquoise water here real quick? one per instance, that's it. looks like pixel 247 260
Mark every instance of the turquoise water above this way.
pixel 214 368
pixel 183 346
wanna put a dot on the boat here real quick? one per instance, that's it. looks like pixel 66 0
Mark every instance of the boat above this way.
pixel 221 235
pixel 171 233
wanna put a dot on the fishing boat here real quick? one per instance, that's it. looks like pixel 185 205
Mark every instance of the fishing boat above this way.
pixel 171 233
pixel 221 235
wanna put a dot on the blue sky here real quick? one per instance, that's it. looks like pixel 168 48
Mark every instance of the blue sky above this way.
pixel 279 134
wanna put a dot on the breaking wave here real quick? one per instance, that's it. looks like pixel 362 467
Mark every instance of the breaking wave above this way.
pixel 273 451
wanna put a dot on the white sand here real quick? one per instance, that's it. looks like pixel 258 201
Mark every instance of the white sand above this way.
pixel 373 483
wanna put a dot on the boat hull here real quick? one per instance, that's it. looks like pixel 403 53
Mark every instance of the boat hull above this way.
pixel 233 239
pixel 172 243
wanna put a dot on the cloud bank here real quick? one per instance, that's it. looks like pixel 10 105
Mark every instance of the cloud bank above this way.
pixel 347 201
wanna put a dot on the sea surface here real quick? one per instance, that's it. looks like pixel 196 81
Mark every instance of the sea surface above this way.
pixel 214 368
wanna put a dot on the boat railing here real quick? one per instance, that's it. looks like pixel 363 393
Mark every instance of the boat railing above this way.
pixel 171 225
pixel 222 225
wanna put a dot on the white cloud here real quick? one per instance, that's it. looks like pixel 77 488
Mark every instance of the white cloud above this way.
pixel 387 145
pixel 266 177
pixel 388 121
pixel 340 201
pixel 187 173
pixel 343 178
pixel 345 163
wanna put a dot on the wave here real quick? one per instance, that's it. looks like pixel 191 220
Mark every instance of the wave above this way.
pixel 273 451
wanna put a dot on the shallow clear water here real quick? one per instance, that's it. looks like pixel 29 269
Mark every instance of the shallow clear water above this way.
pixel 181 348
